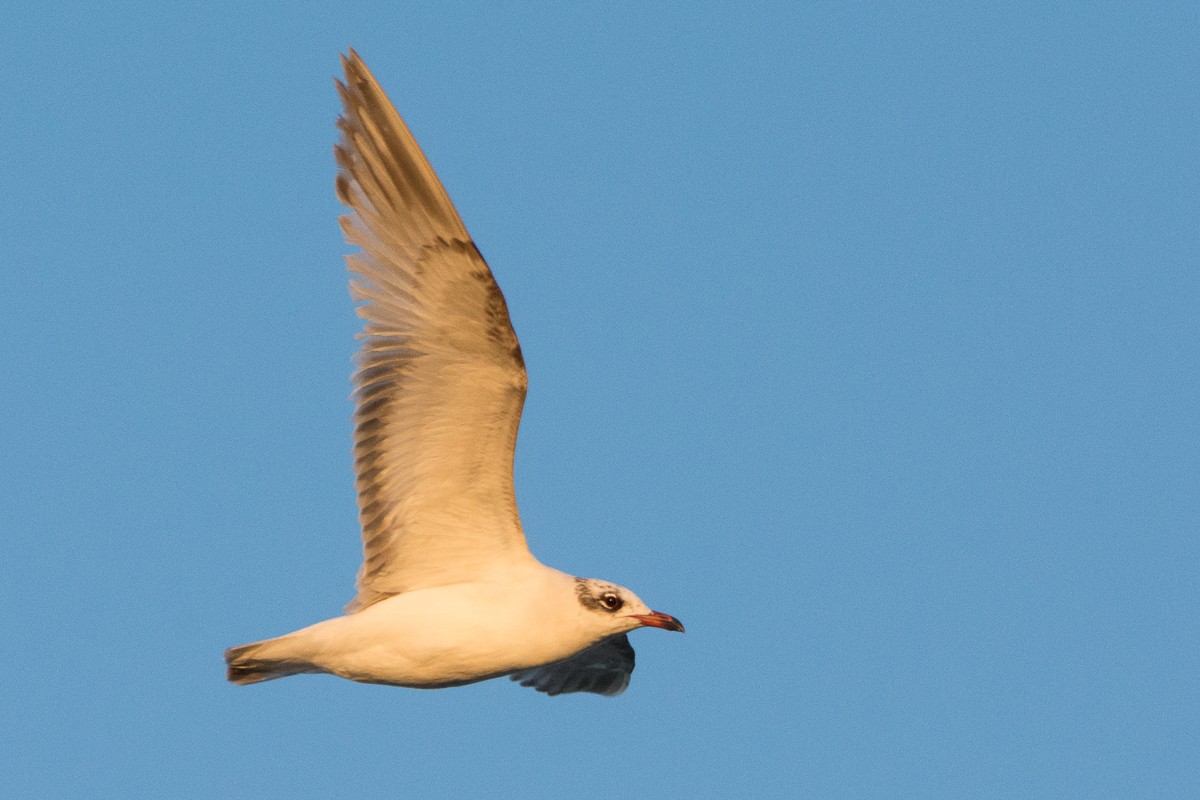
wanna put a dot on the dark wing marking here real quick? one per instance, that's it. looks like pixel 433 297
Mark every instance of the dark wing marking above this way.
pixel 604 668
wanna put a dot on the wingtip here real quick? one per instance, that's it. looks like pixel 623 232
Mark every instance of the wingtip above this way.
pixel 354 67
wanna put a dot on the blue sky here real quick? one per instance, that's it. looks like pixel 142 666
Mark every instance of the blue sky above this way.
pixel 864 339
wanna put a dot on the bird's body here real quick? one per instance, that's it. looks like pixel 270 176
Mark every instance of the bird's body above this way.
pixel 448 593
pixel 446 635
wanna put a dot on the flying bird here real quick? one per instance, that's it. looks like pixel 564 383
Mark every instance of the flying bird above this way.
pixel 448 592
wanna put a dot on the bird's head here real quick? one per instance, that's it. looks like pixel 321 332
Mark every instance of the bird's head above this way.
pixel 618 610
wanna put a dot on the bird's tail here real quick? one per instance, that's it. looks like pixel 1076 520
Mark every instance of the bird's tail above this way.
pixel 263 661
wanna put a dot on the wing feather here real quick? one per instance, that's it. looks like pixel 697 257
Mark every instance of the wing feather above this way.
pixel 440 381
pixel 604 668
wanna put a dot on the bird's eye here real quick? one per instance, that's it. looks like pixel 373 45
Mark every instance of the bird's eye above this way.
pixel 610 601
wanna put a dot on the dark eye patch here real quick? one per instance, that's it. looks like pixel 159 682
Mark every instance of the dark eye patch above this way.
pixel 590 595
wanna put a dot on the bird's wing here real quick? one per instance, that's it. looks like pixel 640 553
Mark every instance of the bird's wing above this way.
pixel 440 381
pixel 603 668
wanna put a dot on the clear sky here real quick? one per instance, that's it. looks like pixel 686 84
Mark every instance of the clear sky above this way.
pixel 864 338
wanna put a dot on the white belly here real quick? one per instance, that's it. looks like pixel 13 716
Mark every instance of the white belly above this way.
pixel 445 636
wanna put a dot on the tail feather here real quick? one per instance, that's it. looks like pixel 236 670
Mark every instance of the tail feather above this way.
pixel 255 663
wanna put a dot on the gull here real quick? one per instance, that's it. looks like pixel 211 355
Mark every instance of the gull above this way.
pixel 448 592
